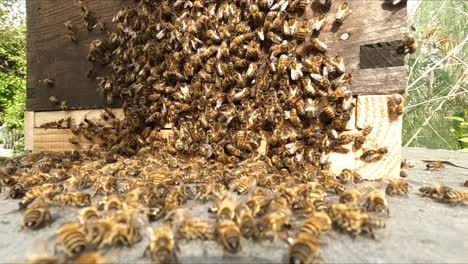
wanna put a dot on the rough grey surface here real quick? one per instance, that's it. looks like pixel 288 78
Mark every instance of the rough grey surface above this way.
pixel 419 230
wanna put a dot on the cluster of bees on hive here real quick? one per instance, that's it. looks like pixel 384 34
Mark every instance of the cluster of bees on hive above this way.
pixel 220 72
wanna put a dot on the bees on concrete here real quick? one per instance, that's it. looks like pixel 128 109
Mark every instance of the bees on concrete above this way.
pixel 162 248
pixel 376 202
pixel 317 224
pixel 77 198
pixel 72 239
pixel 36 216
pixel 348 175
pixel 437 191
pixel 397 187
pixel 435 165
pixel 229 236
pixel 455 198
pixel 351 196
pixel 91 258
pixel 88 214
pixel 195 228
pixel 304 249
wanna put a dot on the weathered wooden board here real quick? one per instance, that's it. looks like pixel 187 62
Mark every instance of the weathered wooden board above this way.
pixel 53 56
pixel 371 22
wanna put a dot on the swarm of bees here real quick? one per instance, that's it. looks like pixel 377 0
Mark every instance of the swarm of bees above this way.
pixel 221 73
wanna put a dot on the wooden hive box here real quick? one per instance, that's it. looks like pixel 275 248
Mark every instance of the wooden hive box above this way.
pixel 368 40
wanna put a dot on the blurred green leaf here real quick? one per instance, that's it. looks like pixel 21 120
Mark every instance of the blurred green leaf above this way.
pixel 464 140
pixel 456 118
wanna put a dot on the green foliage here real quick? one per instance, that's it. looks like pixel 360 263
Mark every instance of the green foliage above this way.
pixel 459 128
pixel 442 91
pixel 12 65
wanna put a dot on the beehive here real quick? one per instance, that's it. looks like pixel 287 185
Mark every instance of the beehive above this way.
pixel 368 41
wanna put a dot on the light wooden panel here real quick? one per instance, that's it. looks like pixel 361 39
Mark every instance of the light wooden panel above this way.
pixel 372 110
pixel 57 140
pixel 28 130
pixel 78 116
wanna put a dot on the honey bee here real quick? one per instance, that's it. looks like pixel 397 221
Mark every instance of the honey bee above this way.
pixel 319 45
pixel 274 37
pixel 229 236
pixel 362 136
pixel 319 23
pixel 162 248
pixel 90 258
pixel 343 12
pixel 435 165
pixel 397 187
pixel 410 45
pixel 395 106
pixel 77 198
pixel 305 249
pixel 36 216
pixel 466 183
pixel 195 228
pixel 245 220
pixel 437 191
pixel 88 214
pixel 374 155
pixel 72 238
pixel 354 195
pixel 225 207
pixel 348 175
pixel 376 202
pixel 327 109
pixel 303 208
pixel 455 198
pixel 98 233
pixel 317 224
pixel 355 222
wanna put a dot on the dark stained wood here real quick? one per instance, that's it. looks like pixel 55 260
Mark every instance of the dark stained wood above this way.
pixel 372 21
pixel 52 55
pixel 381 55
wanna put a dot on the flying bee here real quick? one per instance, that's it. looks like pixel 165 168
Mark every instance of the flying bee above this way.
pixel 348 175
pixel 395 106
pixel 343 12
pixel 376 202
pixel 410 45
pixel 437 191
pixel 397 187
pixel 229 236
pixel 36 216
pixel 374 155
pixel 162 248
pixel 362 136
pixel 354 195
pixel 435 165
pixel 317 224
pixel 72 238
pixel 88 214
pixel 304 249
pixel 318 45
pixel 455 198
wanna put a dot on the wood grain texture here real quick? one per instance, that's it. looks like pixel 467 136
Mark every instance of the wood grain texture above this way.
pixel 371 22
pixel 52 55
pixel 28 130
pixel 57 140
pixel 382 55
pixel 372 110
pixel 78 116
